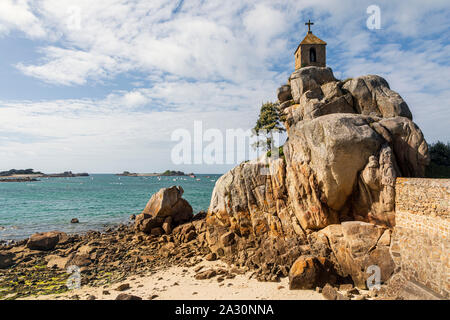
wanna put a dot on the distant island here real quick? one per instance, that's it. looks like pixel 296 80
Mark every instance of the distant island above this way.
pixel 165 173
pixel 27 175
pixel 66 174
pixel 13 172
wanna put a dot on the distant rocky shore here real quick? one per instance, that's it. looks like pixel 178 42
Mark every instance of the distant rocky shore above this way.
pixel 165 173
pixel 28 175
pixel 66 174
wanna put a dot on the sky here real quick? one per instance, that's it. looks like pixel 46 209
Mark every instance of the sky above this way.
pixel 101 86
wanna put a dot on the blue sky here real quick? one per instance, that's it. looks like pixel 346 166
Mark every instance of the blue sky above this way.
pixel 100 86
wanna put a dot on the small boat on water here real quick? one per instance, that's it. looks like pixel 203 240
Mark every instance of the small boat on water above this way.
pixel 192 176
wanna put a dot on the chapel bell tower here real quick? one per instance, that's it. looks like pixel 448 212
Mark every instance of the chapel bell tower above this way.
pixel 311 51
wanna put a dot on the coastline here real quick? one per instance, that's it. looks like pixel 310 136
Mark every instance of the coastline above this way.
pixel 121 261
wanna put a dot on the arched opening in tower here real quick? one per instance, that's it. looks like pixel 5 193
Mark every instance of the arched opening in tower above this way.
pixel 312 55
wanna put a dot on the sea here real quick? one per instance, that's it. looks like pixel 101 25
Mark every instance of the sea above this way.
pixel 98 201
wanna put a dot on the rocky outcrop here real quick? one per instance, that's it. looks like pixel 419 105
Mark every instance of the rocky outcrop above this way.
pixel 249 201
pixel 164 210
pixel 347 143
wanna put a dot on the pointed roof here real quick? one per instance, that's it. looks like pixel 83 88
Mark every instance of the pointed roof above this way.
pixel 311 39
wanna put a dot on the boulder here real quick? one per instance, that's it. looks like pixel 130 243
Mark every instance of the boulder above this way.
pixel 80 260
pixel 45 240
pixel 122 287
pixel 309 272
pixel 167 202
pixel 329 292
pixel 355 246
pixel 125 296
pixel 284 93
pixel 408 145
pixel 373 96
pixel 6 259
pixel 319 101
pixel 145 222
pixel 323 158
pixel 309 78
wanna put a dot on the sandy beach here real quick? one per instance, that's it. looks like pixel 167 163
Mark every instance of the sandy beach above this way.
pixel 179 283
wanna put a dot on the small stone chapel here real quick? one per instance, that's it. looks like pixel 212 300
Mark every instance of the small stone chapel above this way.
pixel 311 51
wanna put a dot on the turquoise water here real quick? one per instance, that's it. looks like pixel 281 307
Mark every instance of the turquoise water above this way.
pixel 98 201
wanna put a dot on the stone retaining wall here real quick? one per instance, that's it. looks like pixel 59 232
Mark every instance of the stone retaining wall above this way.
pixel 421 238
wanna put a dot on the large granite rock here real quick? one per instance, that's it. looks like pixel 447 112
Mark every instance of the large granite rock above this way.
pixel 340 162
pixel 165 209
pixel 250 201
pixel 355 246
pixel 373 96
pixel 309 79
pixel 46 240
pixel 323 157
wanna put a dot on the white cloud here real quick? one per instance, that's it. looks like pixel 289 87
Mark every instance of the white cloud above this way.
pixel 17 14
pixel 105 141
pixel 264 22
pixel 70 67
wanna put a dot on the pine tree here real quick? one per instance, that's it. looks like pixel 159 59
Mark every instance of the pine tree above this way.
pixel 268 122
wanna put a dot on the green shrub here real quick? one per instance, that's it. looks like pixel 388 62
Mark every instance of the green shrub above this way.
pixel 440 160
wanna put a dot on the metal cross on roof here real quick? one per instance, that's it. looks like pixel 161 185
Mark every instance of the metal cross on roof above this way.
pixel 309 23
